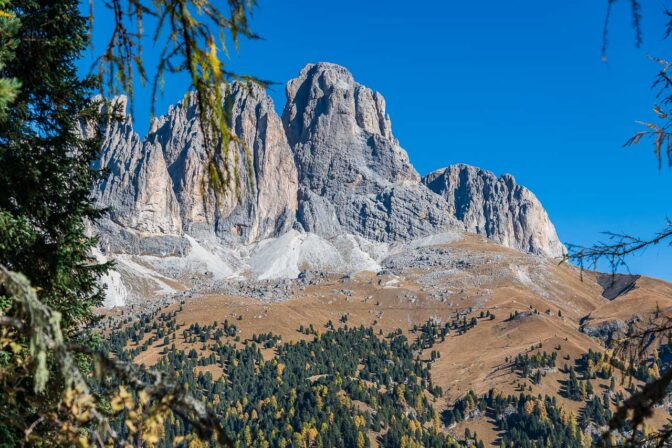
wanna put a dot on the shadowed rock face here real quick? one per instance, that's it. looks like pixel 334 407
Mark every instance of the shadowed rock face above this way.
pixel 497 208
pixel 616 285
pixel 353 175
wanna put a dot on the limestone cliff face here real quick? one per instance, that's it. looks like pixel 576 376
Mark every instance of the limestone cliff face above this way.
pixel 330 166
pixel 353 175
pixel 136 188
pixel 497 208
pixel 259 200
pixel 160 185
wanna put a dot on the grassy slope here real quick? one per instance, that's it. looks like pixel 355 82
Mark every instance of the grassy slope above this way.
pixel 474 360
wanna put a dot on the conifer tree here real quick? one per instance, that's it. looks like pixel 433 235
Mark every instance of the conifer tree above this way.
pixel 45 180
pixel 45 174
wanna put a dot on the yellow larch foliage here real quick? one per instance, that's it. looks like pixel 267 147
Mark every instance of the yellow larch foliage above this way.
pixel 279 369
pixel 361 442
pixel 413 425
pixel 247 436
pixel 418 403
pixel 541 407
pixel 310 435
pixel 436 424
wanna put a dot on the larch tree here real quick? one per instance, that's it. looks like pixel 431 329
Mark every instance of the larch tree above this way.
pixel 655 330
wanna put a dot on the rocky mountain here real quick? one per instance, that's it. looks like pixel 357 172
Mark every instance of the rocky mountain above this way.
pixel 159 186
pixel 353 175
pixel 497 208
pixel 326 186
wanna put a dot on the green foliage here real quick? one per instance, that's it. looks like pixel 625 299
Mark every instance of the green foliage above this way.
pixel 429 333
pixel 9 26
pixel 573 388
pixel 47 364
pixel 524 421
pixel 330 391
pixel 45 174
pixel 45 180
pixel 535 423
pixel 597 411
pixel 524 363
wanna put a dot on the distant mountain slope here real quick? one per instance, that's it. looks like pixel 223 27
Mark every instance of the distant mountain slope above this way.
pixel 504 308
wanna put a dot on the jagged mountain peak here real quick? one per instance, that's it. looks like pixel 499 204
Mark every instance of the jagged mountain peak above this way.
pixel 353 174
pixel 497 207
pixel 326 89
pixel 158 185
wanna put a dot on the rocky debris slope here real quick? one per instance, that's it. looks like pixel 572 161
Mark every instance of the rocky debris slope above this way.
pixel 353 175
pixel 497 208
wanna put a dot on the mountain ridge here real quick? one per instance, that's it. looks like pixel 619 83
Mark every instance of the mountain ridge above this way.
pixel 329 166
pixel 496 207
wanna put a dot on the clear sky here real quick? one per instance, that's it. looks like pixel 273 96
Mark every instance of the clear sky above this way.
pixel 511 86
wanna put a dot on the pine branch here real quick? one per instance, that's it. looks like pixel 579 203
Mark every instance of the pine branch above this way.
pixel 616 249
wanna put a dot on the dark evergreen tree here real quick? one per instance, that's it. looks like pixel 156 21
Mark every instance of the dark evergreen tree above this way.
pixel 45 180
pixel 45 174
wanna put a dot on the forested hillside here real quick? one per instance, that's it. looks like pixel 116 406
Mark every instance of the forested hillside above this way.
pixel 378 360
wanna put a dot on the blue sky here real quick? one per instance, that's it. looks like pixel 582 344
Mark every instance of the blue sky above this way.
pixel 516 86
